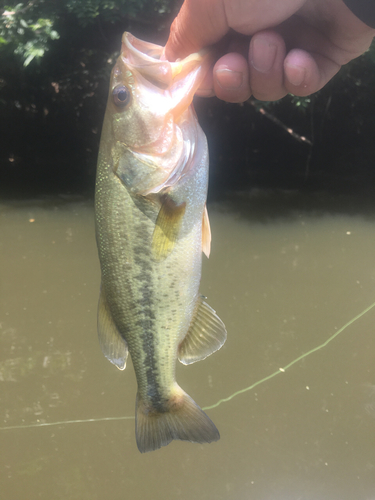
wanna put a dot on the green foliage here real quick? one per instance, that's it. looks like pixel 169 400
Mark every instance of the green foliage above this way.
pixel 24 32
pixel 302 103
pixel 36 46
pixel 113 10
pixel 27 29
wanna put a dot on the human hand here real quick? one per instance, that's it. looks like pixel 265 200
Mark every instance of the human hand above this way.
pixel 271 47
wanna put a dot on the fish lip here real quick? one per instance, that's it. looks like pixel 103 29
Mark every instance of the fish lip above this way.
pixel 179 80
pixel 131 41
pixel 147 58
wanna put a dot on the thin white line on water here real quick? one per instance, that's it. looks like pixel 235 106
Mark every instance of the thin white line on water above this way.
pixel 224 400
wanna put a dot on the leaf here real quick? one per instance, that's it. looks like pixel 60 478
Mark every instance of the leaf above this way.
pixel 28 60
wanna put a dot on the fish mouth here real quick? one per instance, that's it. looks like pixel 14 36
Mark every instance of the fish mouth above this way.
pixel 147 59
pixel 177 81
pixel 175 84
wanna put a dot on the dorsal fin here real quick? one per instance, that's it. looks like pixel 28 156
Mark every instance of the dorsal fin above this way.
pixel 206 335
pixel 167 227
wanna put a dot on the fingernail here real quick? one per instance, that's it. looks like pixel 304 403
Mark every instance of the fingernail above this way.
pixel 228 79
pixel 262 55
pixel 296 75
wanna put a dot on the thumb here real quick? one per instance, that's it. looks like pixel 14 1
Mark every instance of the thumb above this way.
pixel 198 24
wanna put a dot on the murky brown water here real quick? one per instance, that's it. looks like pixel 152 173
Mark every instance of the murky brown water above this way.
pixel 286 273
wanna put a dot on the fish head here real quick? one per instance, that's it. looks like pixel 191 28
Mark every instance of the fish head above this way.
pixel 148 105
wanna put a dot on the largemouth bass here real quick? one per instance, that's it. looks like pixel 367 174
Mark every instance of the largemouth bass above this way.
pixel 151 227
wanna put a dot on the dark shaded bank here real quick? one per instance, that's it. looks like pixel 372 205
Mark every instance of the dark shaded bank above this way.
pixel 51 114
pixel 247 150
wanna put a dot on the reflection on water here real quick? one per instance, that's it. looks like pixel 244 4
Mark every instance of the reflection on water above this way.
pixel 288 274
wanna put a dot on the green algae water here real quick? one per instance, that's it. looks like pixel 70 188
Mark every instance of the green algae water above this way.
pixel 292 391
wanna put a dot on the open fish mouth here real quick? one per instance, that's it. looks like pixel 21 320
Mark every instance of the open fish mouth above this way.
pixel 148 59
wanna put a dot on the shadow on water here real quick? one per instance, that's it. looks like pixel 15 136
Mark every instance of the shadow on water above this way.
pixel 291 274
pixel 258 205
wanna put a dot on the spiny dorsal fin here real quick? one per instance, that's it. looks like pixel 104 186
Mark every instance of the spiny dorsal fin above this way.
pixel 167 227
pixel 114 347
pixel 206 335
pixel 206 233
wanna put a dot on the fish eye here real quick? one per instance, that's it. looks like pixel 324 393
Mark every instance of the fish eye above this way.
pixel 121 96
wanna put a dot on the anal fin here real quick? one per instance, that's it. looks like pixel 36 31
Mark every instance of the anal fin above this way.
pixel 114 347
pixel 206 335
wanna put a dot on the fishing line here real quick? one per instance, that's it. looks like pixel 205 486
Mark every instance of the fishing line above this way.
pixel 224 400
pixel 64 422
pixel 282 370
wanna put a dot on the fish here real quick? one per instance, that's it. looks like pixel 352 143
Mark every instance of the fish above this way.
pixel 151 229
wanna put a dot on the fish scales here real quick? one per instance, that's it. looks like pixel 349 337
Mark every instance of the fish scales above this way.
pixel 151 224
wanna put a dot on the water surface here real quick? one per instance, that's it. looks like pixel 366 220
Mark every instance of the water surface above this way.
pixel 286 273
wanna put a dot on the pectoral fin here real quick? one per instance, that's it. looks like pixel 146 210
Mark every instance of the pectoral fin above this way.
pixel 112 344
pixel 206 335
pixel 167 227
pixel 206 233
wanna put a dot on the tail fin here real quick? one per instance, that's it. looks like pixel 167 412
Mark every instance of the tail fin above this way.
pixel 183 419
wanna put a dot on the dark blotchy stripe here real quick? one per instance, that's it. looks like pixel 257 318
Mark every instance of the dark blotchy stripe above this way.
pixel 146 318
pixel 141 250
pixel 145 263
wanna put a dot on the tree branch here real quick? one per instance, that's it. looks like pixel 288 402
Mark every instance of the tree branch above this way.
pixel 278 122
